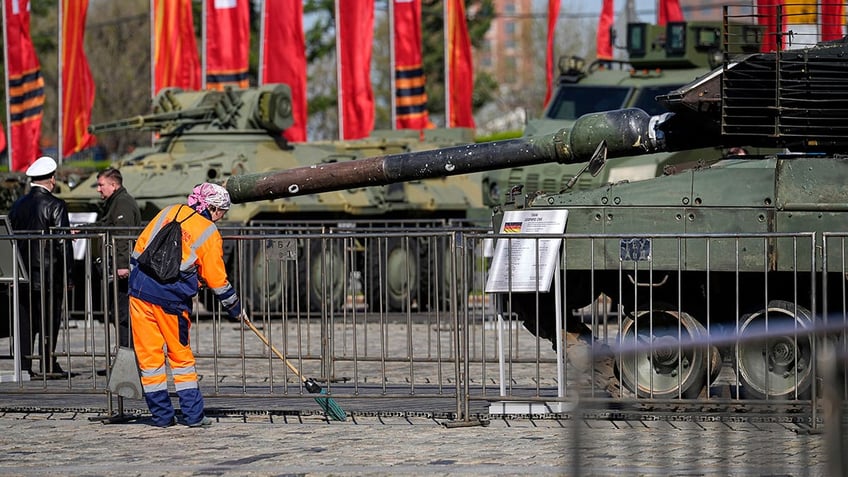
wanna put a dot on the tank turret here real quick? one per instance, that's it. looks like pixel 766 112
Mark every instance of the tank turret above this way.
pixel 657 59
pixel 267 108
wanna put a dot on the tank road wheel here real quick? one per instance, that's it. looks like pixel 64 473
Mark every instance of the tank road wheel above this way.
pixel 321 275
pixel 661 368
pixel 437 275
pixel 772 362
pixel 397 272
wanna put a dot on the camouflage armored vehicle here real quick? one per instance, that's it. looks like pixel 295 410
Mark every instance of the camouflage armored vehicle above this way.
pixel 211 136
pixel 672 290
pixel 661 59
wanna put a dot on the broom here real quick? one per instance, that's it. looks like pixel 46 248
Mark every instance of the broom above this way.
pixel 330 406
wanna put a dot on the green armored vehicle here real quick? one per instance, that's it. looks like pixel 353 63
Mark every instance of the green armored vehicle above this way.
pixel 213 135
pixel 661 59
pixel 673 291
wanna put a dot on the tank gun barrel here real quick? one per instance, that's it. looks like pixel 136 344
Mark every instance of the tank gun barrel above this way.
pixel 156 121
pixel 627 132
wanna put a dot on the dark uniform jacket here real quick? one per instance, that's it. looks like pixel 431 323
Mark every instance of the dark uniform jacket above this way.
pixel 35 212
pixel 121 210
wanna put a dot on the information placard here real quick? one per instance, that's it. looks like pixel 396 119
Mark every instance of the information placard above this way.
pixel 514 265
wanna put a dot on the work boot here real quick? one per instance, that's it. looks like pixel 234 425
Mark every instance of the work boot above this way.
pixel 205 422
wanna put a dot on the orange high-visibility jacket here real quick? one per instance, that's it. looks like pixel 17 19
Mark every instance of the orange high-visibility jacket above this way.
pixel 202 259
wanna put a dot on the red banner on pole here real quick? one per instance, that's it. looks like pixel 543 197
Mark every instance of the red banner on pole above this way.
pixel 553 15
pixel 227 43
pixel 833 23
pixel 176 62
pixel 355 23
pixel 603 46
pixel 285 57
pixel 77 83
pixel 410 91
pixel 767 17
pixel 669 11
pixel 25 90
pixel 461 69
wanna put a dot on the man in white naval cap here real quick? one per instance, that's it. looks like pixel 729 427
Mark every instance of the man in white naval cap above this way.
pixel 38 212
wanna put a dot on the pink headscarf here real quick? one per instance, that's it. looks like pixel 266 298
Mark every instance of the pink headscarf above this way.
pixel 207 194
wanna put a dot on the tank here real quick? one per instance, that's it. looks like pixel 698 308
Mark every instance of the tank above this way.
pixel 661 58
pixel 212 135
pixel 792 102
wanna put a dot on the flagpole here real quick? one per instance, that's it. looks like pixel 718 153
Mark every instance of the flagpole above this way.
pixel 392 64
pixel 262 26
pixel 340 96
pixel 447 30
pixel 152 48
pixel 61 83
pixel 203 46
pixel 6 79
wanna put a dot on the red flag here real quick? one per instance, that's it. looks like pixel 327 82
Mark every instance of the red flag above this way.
pixel 832 23
pixel 25 88
pixel 2 138
pixel 176 62
pixel 553 15
pixel 767 17
pixel 603 46
pixel 461 79
pixel 284 58
pixel 355 22
pixel 669 11
pixel 410 93
pixel 227 43
pixel 77 83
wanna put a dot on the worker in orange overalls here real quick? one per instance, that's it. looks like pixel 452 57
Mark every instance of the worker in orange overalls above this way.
pixel 160 312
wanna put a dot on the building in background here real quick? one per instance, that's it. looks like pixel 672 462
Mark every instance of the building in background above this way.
pixel 505 46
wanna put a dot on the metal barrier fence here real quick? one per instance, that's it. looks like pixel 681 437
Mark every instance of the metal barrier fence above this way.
pixel 405 312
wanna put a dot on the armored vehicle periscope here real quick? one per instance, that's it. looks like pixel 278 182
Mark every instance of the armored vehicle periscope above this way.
pixel 211 136
pixel 661 59
pixel 646 256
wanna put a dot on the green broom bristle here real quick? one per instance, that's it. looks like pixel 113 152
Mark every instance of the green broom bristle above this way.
pixel 331 408
pixel 328 404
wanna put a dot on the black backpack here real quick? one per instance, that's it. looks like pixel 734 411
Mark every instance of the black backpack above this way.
pixel 162 257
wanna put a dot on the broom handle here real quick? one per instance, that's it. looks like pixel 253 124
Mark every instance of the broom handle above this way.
pixel 264 339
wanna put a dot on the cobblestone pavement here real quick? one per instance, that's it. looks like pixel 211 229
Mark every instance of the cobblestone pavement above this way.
pixel 72 444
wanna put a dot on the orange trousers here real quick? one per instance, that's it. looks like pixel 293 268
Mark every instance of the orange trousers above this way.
pixel 157 334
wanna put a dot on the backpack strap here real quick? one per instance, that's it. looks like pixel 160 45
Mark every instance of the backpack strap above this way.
pixel 176 216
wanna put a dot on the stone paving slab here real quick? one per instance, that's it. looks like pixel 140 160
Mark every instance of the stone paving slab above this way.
pixel 73 444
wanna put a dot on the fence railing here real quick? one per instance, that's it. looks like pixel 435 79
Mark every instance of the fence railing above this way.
pixel 405 312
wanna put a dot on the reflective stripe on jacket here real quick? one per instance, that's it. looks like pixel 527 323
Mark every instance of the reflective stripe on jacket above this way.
pixel 202 259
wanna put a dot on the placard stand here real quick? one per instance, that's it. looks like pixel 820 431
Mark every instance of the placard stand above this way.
pixel 543 256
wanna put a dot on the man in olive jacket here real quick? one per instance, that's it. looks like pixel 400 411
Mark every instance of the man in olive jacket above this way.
pixel 120 210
